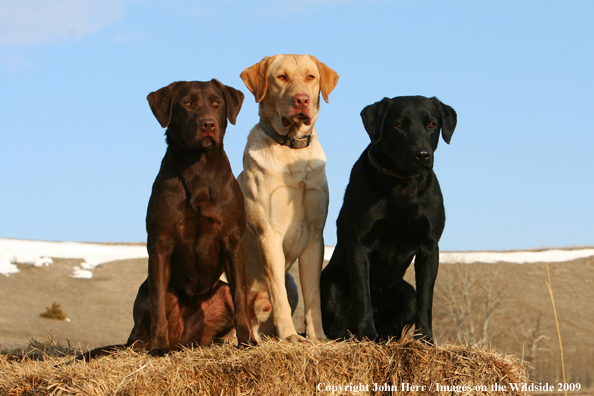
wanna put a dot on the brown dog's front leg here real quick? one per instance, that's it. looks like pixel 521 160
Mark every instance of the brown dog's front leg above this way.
pixel 236 276
pixel 159 273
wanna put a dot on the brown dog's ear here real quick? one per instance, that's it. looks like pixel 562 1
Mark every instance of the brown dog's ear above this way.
pixel 373 119
pixel 161 103
pixel 255 78
pixel 449 119
pixel 233 99
pixel 328 78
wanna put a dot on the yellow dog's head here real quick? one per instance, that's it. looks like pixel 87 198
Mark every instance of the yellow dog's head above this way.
pixel 288 89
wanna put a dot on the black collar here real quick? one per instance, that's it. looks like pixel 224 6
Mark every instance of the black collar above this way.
pixel 294 143
pixel 382 169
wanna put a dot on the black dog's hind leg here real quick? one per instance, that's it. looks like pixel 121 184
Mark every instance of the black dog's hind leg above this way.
pixel 394 309
pixel 336 303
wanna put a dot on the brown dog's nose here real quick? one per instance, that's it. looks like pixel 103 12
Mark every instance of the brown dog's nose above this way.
pixel 208 125
pixel 301 101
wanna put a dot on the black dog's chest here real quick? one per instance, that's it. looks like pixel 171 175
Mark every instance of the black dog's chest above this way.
pixel 392 243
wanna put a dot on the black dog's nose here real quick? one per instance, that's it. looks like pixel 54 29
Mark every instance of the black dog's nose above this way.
pixel 423 156
pixel 208 125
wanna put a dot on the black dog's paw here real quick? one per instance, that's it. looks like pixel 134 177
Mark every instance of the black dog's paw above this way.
pixel 425 338
pixel 366 332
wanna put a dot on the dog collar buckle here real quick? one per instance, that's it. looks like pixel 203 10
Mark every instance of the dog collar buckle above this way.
pixel 294 143
pixel 301 142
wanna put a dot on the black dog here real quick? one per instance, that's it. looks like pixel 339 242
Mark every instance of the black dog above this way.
pixel 392 211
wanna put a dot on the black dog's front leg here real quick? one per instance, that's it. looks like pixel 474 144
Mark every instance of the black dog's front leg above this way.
pixel 362 323
pixel 426 265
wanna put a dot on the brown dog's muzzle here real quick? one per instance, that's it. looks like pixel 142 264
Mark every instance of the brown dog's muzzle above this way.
pixel 208 133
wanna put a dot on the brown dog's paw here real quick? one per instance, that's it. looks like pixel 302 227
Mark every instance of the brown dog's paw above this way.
pixel 245 337
pixel 248 343
pixel 158 352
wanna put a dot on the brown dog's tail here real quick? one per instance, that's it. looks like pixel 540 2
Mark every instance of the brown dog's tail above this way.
pixel 107 350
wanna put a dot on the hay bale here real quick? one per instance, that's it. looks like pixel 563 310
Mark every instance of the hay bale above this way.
pixel 274 368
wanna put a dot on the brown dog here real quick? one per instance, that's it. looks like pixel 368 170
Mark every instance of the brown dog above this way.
pixel 195 221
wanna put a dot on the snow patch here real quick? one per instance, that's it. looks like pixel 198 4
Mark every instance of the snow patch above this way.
pixel 518 257
pixel 38 253
pixel 521 257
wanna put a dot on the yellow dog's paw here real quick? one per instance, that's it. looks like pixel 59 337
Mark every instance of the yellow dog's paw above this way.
pixel 295 338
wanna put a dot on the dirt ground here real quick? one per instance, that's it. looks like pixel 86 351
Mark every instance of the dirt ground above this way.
pixel 99 309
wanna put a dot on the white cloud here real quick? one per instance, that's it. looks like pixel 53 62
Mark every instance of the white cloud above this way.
pixel 16 63
pixel 25 23
pixel 123 38
pixel 287 7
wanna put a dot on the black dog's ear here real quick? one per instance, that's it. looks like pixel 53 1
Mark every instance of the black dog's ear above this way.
pixel 449 119
pixel 373 119
pixel 161 102
pixel 233 98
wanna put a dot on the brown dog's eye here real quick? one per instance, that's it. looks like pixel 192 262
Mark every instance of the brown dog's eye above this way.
pixel 188 103
pixel 216 102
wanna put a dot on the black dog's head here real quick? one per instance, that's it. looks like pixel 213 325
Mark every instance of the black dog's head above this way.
pixel 195 113
pixel 405 130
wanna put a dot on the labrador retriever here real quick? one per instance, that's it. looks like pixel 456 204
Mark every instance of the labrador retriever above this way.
pixel 285 188
pixel 392 212
pixel 195 221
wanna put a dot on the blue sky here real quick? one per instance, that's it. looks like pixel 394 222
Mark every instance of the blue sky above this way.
pixel 81 148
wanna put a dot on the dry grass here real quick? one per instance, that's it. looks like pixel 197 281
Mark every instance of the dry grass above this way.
pixel 274 368
pixel 54 312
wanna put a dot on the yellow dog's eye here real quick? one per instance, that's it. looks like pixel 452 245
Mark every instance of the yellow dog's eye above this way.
pixel 282 77
pixel 311 77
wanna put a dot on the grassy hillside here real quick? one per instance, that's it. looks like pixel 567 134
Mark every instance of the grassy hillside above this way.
pixel 506 304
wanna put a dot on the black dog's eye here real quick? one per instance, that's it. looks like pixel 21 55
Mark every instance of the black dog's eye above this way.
pixel 431 125
pixel 399 126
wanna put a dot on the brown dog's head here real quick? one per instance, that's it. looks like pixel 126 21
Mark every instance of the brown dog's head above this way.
pixel 288 89
pixel 195 113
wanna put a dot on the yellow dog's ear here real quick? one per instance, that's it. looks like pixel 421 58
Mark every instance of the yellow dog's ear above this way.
pixel 328 78
pixel 255 78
